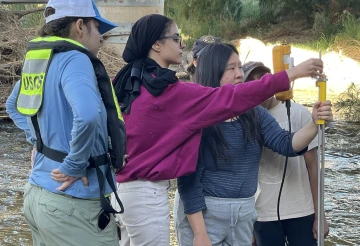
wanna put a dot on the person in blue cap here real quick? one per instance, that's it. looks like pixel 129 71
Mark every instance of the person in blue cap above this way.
pixel 60 104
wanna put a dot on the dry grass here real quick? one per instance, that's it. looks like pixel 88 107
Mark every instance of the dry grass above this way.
pixel 348 105
pixel 308 97
pixel 111 60
pixel 289 31
pixel 13 40
pixel 348 46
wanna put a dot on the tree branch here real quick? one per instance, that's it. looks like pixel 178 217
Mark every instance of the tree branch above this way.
pixel 21 13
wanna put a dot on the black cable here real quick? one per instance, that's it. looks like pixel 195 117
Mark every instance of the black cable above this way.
pixel 288 105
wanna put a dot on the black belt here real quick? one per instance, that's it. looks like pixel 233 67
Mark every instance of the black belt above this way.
pixel 59 156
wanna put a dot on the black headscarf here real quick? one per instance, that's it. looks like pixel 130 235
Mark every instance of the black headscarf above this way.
pixel 140 69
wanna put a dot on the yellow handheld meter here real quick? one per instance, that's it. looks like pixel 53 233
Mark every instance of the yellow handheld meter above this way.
pixel 282 61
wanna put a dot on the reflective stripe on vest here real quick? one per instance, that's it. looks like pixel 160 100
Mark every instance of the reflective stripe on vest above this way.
pixel 32 81
pixel 33 76
pixel 118 110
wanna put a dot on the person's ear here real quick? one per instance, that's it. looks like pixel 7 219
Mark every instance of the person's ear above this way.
pixel 80 28
pixel 156 47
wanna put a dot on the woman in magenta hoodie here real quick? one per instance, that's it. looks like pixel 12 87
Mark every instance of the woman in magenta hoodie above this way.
pixel 164 119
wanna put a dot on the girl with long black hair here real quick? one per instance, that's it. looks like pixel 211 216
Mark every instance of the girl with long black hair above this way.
pixel 216 205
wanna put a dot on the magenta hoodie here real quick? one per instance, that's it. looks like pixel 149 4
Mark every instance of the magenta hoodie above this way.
pixel 164 132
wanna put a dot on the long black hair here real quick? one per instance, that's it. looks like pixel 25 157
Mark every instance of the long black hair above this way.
pixel 209 71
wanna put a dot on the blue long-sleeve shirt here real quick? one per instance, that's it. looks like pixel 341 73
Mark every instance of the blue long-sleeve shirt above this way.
pixel 19 120
pixel 72 119
pixel 236 177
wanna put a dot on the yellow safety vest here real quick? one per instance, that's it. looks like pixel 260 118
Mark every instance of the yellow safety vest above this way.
pixel 33 78
pixel 34 71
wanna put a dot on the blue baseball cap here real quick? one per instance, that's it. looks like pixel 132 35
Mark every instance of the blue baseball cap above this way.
pixel 78 8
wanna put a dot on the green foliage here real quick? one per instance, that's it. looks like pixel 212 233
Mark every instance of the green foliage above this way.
pixel 350 25
pixel 205 10
pixel 348 4
pixel 324 43
pixel 274 11
pixel 343 35
pixel 200 17
pixel 229 19
pixel 323 24
pixel 349 103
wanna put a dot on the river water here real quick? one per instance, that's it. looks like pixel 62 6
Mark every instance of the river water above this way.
pixel 342 184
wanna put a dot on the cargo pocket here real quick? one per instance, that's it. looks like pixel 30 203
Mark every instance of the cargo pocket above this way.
pixel 52 206
pixel 108 235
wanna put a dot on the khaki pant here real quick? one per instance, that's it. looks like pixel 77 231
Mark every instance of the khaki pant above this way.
pixel 56 219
